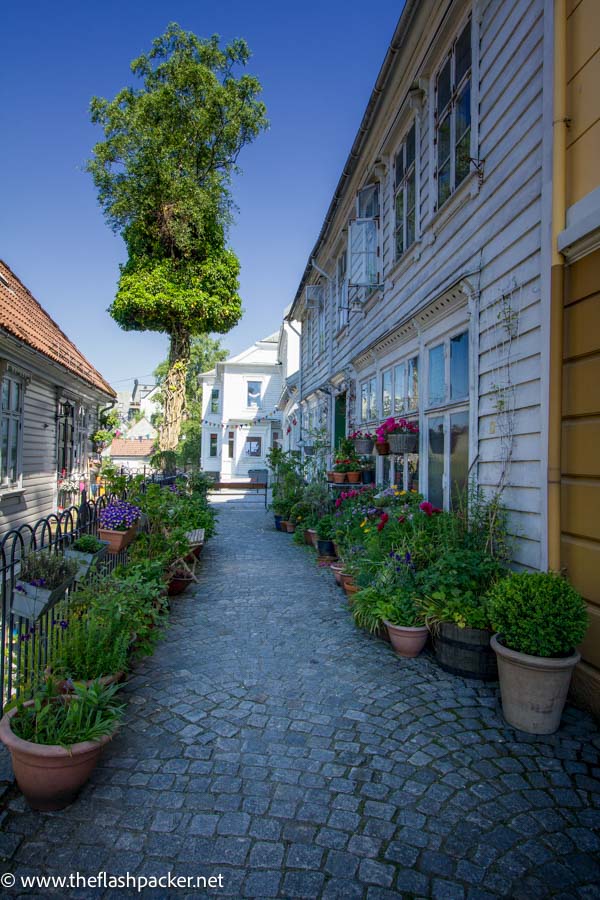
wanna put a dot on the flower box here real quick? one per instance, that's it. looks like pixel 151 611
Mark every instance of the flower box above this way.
pixel 30 601
pixel 118 540
pixel 401 442
pixel 85 561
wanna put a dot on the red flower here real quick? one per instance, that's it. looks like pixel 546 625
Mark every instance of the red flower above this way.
pixel 401 519
pixel 338 503
pixel 428 508
pixel 382 522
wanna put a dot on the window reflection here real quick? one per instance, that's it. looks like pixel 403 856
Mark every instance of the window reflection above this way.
pixel 435 489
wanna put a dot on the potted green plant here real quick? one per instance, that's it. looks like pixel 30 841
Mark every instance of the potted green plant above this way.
pixel 55 740
pixel 453 589
pixel 43 578
pixel 404 622
pixel 87 551
pixel 340 470
pixel 325 534
pixel 539 619
pixel 90 646
pixel 118 524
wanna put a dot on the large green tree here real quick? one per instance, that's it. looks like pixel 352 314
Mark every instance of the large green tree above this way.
pixel 163 175
pixel 205 352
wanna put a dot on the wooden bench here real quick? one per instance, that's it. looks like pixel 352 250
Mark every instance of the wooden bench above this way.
pixel 241 486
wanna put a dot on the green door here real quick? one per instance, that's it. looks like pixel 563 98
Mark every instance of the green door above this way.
pixel 340 419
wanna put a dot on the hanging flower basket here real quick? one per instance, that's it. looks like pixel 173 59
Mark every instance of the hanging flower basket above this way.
pixel 30 600
pixel 363 445
pixel 309 451
pixel 401 442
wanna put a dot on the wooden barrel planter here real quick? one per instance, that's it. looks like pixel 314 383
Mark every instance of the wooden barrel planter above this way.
pixel 465 652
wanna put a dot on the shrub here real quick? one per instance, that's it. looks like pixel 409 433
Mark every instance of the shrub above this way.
pixel 454 588
pixel 538 613
pixel 325 528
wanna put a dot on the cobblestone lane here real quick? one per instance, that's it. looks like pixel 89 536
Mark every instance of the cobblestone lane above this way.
pixel 271 741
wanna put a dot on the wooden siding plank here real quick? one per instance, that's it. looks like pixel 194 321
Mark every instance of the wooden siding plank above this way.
pixel 581 378
pixel 580 443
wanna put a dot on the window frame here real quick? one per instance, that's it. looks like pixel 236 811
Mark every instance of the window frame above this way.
pixel 260 382
pixel 231 445
pixel 449 112
pixel 213 445
pixel 391 370
pixel 15 419
pixel 372 398
pixel 257 438
pixel 400 187
pixel 341 289
pixel 215 395
pixel 445 341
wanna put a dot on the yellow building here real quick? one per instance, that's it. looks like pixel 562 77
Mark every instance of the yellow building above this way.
pixel 574 389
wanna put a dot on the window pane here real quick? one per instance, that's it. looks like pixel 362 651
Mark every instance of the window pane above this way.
pixel 213 445
pixel 387 470
pixel 368 202
pixel 399 391
pixel 410 204
pixel 214 400
pixel 459 456
pixel 463 54
pixel 5 393
pixel 459 366
pixel 373 398
pixel 463 158
pixel 363 252
pixel 399 166
pixel 413 382
pixel 364 402
pixel 253 446
pixel 437 379
pixel 230 442
pixel 14 439
pixel 463 111
pixel 443 87
pixel 254 393
pixel 400 223
pixel 410 147
pixel 15 396
pixel 435 488
pixel 387 393
pixel 443 184
pixel 4 449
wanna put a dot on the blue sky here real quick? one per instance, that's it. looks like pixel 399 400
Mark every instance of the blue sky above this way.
pixel 317 63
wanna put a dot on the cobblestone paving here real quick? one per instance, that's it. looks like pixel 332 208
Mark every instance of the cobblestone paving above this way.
pixel 272 742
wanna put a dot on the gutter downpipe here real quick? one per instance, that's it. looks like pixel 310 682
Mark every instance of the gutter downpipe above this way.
pixel 559 153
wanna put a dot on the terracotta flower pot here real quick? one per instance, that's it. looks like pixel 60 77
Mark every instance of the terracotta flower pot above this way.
pixel 290 527
pixel 405 640
pixel 308 537
pixel 339 477
pixel 337 572
pixel 117 540
pixel 346 579
pixel 312 537
pixel 383 448
pixel 283 525
pixel 350 590
pixel 50 776
pixel 353 477
pixel 330 476
pixel 533 688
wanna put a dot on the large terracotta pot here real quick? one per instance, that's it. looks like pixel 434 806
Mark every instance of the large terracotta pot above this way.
pixel 339 477
pixel 337 572
pixel 353 477
pixel 50 776
pixel 178 584
pixel 117 540
pixel 533 688
pixel 407 641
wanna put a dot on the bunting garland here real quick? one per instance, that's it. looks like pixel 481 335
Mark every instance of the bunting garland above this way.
pixel 249 424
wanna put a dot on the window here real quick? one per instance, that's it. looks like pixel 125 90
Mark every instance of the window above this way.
pixel 448 371
pixel 405 194
pixel 230 444
pixel 253 446
pixel 321 323
pixel 11 431
pixel 453 117
pixel 276 440
pixel 309 337
pixel 66 434
pixel 341 290
pixel 400 388
pixel 213 445
pixel 364 239
pixel 214 400
pixel 368 400
pixel 448 429
pixel 254 391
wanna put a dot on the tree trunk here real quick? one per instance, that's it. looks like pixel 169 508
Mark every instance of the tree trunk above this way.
pixel 174 392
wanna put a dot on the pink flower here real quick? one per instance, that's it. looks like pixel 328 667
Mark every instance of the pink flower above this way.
pixel 428 508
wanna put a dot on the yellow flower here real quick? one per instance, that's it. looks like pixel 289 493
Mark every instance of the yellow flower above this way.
pixel 402 493
pixel 413 490
pixel 367 530
pixel 363 523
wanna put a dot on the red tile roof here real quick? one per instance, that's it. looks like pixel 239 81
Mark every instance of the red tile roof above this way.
pixel 132 447
pixel 22 316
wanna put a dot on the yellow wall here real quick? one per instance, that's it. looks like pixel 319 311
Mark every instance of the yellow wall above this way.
pixel 583 86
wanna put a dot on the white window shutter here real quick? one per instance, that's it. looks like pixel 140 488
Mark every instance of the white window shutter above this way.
pixel 363 252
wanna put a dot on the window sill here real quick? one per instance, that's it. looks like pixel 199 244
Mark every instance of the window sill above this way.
pixel 468 189
pixel 11 493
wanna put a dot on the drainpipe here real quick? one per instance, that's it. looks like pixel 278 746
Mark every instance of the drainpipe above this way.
pixel 559 153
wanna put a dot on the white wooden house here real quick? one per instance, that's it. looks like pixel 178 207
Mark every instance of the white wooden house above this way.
pixel 51 396
pixel 240 418
pixel 427 291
